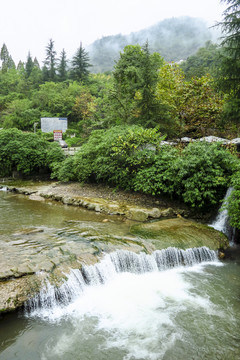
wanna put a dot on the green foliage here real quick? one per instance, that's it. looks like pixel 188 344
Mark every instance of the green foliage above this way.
pixel 201 106
pixel 202 173
pixel 205 61
pixel 198 175
pixel 62 67
pixel 26 153
pixel 233 201
pixel 80 65
pixel 133 158
pixel 228 76
pixel 114 155
pixel 21 114
pixel 157 177
pixel 133 93
pixel 50 62
pixel 64 171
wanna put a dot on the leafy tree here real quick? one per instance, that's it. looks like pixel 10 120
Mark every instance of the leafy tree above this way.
pixel 56 99
pixel 201 106
pixel 233 201
pixel 84 110
pixel 80 65
pixel 169 93
pixel 148 106
pixel 50 62
pixel 20 114
pixel 205 61
pixel 135 77
pixel 229 76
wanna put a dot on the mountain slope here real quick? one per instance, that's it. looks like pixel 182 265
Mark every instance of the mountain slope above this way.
pixel 174 39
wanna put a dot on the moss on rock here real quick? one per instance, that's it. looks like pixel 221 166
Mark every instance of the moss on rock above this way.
pixel 180 233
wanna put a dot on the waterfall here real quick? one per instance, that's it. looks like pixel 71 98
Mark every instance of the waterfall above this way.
pixel 113 263
pixel 3 188
pixel 221 223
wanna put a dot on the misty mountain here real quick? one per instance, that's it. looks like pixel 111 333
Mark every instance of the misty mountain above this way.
pixel 175 39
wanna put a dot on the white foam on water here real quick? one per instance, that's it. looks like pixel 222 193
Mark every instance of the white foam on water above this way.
pixel 136 311
pixel 3 188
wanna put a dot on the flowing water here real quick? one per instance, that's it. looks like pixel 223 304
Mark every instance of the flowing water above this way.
pixel 221 223
pixel 171 305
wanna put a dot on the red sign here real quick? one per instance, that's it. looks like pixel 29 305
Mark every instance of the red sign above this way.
pixel 57 135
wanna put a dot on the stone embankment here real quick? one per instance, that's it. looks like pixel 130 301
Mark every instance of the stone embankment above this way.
pixel 104 200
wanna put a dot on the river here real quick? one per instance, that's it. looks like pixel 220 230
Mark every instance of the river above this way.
pixel 186 312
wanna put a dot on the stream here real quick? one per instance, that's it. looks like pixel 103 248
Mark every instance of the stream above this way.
pixel 149 313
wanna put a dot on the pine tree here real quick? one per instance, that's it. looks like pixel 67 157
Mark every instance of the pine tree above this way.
pixel 80 65
pixel 62 68
pixel 29 65
pixel 36 63
pixel 148 104
pixel 7 61
pixel 229 77
pixel 50 62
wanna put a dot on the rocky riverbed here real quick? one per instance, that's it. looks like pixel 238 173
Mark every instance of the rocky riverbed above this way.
pixel 117 220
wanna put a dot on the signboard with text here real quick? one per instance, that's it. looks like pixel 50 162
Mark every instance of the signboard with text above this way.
pixel 57 135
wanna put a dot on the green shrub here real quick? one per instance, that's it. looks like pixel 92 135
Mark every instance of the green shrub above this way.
pixel 115 155
pixel 202 173
pixel 26 153
pixel 64 171
pixel 233 201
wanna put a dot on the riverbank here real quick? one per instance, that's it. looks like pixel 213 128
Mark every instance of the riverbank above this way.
pixel 104 199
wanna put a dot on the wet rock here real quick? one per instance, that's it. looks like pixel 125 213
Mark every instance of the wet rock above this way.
pixel 168 213
pixel 28 231
pixel 180 233
pixel 137 214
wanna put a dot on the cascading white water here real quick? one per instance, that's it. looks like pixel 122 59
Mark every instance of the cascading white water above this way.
pixel 121 261
pixel 221 223
pixel 3 188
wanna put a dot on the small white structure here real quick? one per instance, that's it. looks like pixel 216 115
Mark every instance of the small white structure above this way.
pixel 51 124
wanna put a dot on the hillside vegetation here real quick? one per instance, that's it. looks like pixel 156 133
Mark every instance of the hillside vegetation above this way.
pixel 175 39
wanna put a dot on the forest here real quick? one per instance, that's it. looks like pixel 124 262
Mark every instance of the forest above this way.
pixel 118 118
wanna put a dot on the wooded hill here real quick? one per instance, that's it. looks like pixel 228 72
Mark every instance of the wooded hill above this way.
pixel 174 39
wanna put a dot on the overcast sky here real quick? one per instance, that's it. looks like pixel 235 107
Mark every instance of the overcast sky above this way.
pixel 27 25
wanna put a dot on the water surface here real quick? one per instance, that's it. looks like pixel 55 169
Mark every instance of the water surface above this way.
pixel 176 314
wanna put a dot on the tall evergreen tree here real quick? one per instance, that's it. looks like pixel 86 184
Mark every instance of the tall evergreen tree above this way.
pixel 7 61
pixel 80 65
pixel 29 65
pixel 50 62
pixel 229 77
pixel 36 63
pixel 62 68
pixel 147 104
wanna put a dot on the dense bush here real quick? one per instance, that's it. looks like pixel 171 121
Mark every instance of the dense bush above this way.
pixel 132 158
pixel 26 153
pixel 202 173
pixel 233 201
pixel 114 156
